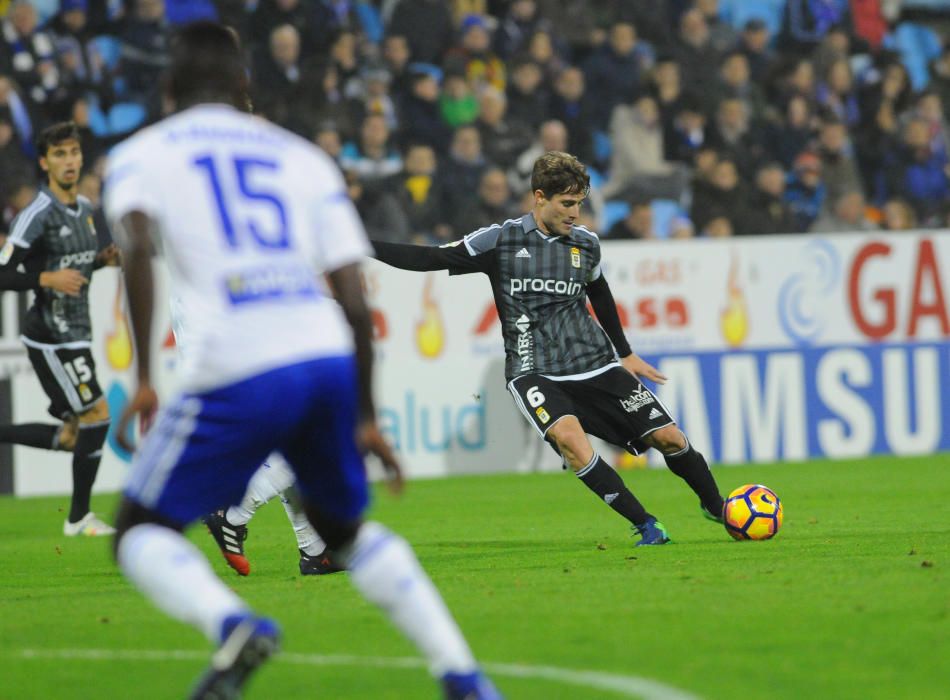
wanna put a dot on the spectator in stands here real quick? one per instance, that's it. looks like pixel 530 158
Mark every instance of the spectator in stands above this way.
pixel 145 44
pixel 421 119
pixel 754 43
pixel 666 84
pixel 346 60
pixel 527 96
pixel 613 72
pixel 720 226
pixel 837 159
pixel 83 69
pixel 805 22
pixel 503 140
pixel 638 164
pixel 732 133
pixel 458 104
pixel 427 26
pixel 541 50
pixel 721 35
pixel 473 57
pixel 300 14
pixel 372 157
pixel 918 174
pixel 722 196
pixel 521 20
pixel 396 59
pixel 928 108
pixel 687 133
pixel 940 77
pixel 767 212
pixel 570 106
pixel 805 192
pixel 636 225
pixel 551 136
pixel 330 101
pixel 681 228
pixel 492 203
pixel 382 216
pixel 285 88
pixel 462 170
pixel 18 109
pixel 698 58
pixel 899 215
pixel 28 54
pixel 327 136
pixel 836 93
pixel 847 213
pixel 13 162
pixel 793 134
pixel 420 194
pixel 373 96
pixel 735 81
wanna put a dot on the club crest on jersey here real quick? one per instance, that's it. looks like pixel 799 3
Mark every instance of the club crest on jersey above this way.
pixel 543 415
pixel 576 257
pixel 92 226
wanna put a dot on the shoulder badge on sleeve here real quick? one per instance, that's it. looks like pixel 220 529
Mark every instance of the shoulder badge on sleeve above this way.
pixel 6 252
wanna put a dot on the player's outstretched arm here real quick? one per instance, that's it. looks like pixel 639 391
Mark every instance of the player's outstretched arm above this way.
pixel 348 289
pixel 140 287
pixel 421 258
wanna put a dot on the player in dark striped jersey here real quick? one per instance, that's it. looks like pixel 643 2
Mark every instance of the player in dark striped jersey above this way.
pixel 55 241
pixel 568 375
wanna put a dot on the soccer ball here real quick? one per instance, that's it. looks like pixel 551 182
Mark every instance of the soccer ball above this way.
pixel 753 512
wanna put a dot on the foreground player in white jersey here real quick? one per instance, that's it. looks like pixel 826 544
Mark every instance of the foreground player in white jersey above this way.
pixel 243 213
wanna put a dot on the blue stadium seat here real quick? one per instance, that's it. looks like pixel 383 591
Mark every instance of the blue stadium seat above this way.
pixel 664 211
pixel 370 21
pixel 738 12
pixel 614 211
pixel 602 147
pixel 109 49
pixel 125 117
pixel 98 121
pixel 185 11
pixel 918 45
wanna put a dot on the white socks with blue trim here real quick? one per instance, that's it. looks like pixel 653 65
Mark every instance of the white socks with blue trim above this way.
pixel 385 570
pixel 175 575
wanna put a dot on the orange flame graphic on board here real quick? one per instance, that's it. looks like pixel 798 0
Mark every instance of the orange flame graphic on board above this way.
pixel 119 340
pixel 430 333
pixel 734 318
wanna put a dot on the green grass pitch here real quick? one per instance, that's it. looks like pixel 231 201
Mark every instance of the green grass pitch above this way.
pixel 850 600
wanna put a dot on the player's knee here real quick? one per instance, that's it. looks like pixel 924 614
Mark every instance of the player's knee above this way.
pixel 667 440
pixel 131 514
pixel 570 440
pixel 97 413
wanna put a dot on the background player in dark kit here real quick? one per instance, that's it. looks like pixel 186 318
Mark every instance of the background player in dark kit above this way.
pixel 52 235
pixel 562 368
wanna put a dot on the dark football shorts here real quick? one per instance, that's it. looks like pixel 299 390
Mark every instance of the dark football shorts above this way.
pixel 68 376
pixel 613 405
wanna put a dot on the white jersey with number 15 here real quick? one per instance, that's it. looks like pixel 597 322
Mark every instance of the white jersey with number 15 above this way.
pixel 249 216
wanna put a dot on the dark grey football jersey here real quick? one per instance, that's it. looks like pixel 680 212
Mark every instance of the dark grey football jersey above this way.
pixel 56 237
pixel 540 287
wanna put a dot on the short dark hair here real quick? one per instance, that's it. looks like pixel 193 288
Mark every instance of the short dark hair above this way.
pixel 56 134
pixel 207 65
pixel 557 173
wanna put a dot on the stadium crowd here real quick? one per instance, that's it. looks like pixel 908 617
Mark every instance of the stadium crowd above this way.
pixel 695 117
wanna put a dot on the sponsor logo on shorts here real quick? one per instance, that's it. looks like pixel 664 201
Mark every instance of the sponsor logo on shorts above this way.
pixel 640 397
pixel 85 393
pixel 654 414
pixel 543 415
pixel 6 253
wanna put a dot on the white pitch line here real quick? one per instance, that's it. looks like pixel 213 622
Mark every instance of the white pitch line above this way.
pixel 629 686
